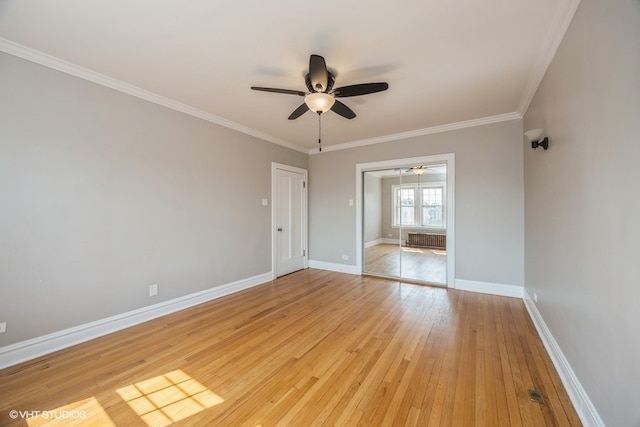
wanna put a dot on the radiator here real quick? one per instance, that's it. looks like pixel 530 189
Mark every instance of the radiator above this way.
pixel 435 241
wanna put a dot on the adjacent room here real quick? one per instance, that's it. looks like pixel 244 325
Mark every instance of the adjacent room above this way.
pixel 412 213
pixel 404 223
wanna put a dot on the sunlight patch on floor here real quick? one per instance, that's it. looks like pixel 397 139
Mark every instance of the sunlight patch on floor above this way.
pixel 165 399
pixel 413 250
pixel 423 250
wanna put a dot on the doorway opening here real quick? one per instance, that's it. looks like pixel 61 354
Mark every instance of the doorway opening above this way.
pixel 406 220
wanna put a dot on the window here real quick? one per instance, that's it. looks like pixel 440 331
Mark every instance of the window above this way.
pixel 406 206
pixel 432 207
pixel 419 206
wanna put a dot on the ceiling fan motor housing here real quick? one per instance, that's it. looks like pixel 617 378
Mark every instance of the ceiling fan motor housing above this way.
pixel 330 81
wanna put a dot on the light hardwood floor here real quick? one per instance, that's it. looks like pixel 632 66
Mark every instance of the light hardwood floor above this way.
pixel 311 348
pixel 422 264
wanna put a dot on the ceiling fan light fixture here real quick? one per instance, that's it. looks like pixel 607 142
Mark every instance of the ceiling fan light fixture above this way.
pixel 319 102
pixel 319 81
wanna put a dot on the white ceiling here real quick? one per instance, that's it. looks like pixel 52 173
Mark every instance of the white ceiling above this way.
pixel 447 63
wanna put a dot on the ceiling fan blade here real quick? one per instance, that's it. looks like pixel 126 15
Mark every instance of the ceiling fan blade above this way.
pixel 360 89
pixel 299 111
pixel 343 110
pixel 285 91
pixel 318 73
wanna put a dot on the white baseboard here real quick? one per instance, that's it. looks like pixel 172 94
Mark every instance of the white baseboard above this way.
pixel 489 288
pixel 586 411
pixel 373 243
pixel 330 266
pixel 26 350
pixel 381 241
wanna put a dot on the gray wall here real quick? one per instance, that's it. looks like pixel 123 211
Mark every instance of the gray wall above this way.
pixel 372 206
pixel 103 194
pixel 488 195
pixel 582 204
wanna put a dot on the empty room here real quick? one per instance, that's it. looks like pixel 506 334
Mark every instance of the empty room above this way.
pixel 409 213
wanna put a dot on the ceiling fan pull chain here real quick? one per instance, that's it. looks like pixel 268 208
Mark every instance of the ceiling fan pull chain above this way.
pixel 320 131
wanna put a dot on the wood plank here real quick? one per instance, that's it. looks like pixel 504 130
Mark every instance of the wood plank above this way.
pixel 310 348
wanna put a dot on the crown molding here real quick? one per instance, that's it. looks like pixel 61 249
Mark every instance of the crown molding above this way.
pixel 554 37
pixel 552 41
pixel 420 132
pixel 58 64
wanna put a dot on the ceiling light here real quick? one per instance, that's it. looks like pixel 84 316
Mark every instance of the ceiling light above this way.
pixel 319 102
pixel 418 170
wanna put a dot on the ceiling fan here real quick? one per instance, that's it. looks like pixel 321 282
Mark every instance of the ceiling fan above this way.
pixel 322 96
pixel 414 170
pixel 421 169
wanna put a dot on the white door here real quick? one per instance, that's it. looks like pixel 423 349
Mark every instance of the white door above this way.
pixel 290 220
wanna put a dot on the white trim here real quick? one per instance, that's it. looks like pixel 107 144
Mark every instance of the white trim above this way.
pixel 30 349
pixel 552 41
pixel 420 132
pixel 49 61
pixel 330 266
pixel 581 402
pixel 556 33
pixel 558 29
pixel 449 159
pixel 489 288
pixel 374 243
pixel 386 240
pixel 294 169
pixel 389 241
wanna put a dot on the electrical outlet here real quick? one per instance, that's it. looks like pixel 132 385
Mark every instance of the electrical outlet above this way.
pixel 3 327
pixel 153 290
pixel 345 257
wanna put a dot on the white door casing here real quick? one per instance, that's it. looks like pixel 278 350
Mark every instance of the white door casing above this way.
pixel 289 219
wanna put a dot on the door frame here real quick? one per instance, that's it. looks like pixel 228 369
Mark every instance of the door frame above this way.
pixel 305 235
pixel 449 159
